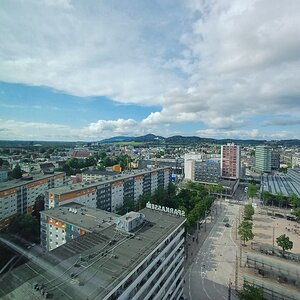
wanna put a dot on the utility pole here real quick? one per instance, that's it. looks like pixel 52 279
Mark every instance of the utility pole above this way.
pixel 205 220
pixel 241 253
pixel 229 290
pixel 273 238
pixel 236 228
pixel 236 271
pixel 198 229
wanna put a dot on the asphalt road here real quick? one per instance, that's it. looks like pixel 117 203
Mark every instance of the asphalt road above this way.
pixel 213 267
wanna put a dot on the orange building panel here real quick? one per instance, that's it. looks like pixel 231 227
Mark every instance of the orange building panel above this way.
pixel 8 193
pixel 37 183
pixel 117 183
pixel 140 177
pixel 59 176
pixel 82 232
pixel 76 194
pixel 56 223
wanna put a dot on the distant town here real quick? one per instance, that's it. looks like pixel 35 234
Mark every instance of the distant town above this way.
pixel 150 218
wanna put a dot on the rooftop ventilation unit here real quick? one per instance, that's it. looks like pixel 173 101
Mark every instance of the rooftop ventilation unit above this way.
pixel 130 221
pixel 73 210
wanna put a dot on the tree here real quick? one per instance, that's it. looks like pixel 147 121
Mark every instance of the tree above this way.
pixel 26 226
pixel 245 231
pixel 251 191
pixel 128 205
pixel 294 199
pixel 284 242
pixel 248 212
pixel 38 206
pixel 296 212
pixel 16 172
pixel 266 197
pixel 143 199
pixel 251 292
pixel 171 190
pixel 279 199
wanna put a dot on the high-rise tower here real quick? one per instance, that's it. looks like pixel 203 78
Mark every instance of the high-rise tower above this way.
pixel 230 161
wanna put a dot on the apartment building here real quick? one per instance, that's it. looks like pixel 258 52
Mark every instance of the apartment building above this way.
pixel 136 256
pixel 62 224
pixel 91 175
pixel 109 194
pixel 19 196
pixel 230 161
pixel 207 171
pixel 263 159
pixel 275 160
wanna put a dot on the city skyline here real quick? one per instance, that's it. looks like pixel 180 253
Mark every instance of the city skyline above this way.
pixel 76 71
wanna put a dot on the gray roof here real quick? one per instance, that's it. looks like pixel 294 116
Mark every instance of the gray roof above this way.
pixel 85 218
pixel 20 182
pixel 102 260
pixel 80 186
pixel 280 184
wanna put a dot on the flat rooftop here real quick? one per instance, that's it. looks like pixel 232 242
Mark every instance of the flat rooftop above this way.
pixel 280 184
pixel 19 182
pixel 92 265
pixel 86 218
pixel 228 183
pixel 79 186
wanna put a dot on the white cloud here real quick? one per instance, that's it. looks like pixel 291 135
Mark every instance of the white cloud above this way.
pixel 246 134
pixel 85 50
pixel 12 129
pixel 217 63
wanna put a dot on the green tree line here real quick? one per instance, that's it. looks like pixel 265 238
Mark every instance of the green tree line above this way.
pixel 195 200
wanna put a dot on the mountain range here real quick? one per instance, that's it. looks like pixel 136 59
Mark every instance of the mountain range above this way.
pixel 184 140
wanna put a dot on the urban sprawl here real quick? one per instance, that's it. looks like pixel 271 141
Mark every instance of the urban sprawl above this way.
pixel 147 220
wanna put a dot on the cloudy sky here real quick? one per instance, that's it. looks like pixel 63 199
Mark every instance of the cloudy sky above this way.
pixel 87 70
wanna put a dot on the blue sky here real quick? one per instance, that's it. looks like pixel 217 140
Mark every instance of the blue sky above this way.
pixel 75 70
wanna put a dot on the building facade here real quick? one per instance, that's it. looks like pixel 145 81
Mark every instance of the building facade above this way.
pixel 60 225
pixel 296 160
pixel 207 171
pixel 275 160
pixel 263 157
pixel 19 196
pixel 110 194
pixel 136 256
pixel 3 175
pixel 230 161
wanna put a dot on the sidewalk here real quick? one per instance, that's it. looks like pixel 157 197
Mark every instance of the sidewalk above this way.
pixel 192 244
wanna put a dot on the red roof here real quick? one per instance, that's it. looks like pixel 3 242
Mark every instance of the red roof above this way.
pixel 81 154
